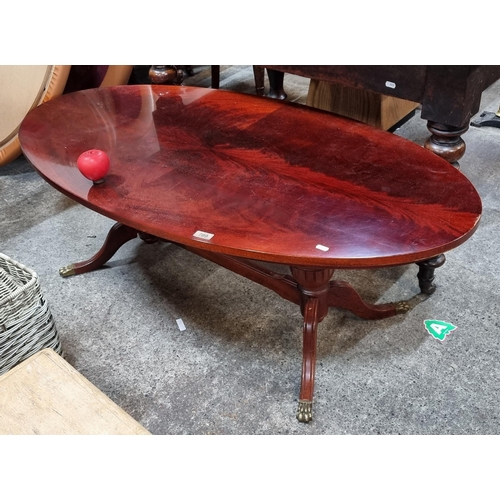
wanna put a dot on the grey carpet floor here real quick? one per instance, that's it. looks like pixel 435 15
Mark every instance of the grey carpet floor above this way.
pixel 236 367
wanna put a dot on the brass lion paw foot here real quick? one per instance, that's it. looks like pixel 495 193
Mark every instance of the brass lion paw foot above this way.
pixel 402 307
pixel 67 271
pixel 304 411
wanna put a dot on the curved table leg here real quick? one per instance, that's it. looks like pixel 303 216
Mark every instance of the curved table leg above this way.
pixel 118 235
pixel 426 273
pixel 343 295
pixel 304 411
pixel 317 295
pixel 313 285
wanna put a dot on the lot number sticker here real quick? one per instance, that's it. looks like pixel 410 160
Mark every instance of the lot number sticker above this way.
pixel 438 329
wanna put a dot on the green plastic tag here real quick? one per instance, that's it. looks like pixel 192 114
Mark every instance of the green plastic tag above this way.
pixel 438 329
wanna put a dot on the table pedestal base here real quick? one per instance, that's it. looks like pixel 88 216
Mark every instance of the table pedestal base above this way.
pixel 310 288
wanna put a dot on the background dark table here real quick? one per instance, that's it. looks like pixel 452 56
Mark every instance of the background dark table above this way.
pixel 449 95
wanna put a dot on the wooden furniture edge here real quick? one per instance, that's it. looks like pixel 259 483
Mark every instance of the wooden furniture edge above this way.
pixel 45 359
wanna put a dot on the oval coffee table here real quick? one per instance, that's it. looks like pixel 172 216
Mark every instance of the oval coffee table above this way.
pixel 242 180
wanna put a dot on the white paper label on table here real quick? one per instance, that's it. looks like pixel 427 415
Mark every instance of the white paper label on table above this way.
pixel 322 248
pixel 203 235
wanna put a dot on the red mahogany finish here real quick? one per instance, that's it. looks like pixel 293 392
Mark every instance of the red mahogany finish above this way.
pixel 269 181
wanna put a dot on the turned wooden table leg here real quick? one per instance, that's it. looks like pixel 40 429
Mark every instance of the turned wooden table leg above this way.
pixel 118 235
pixel 166 75
pixel 446 141
pixel 314 285
pixel 426 273
pixel 215 76
pixel 148 238
pixel 276 79
pixel 259 77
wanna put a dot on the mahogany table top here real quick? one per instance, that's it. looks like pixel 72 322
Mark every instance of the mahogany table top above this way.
pixel 271 181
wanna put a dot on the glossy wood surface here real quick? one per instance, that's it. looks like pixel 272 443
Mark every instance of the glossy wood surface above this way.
pixel 269 180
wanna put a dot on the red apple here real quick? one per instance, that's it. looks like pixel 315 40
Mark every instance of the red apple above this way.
pixel 93 164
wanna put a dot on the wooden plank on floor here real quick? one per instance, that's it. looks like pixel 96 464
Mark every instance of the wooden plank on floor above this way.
pixel 46 395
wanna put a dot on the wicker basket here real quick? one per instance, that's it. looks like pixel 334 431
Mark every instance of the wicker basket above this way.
pixel 26 323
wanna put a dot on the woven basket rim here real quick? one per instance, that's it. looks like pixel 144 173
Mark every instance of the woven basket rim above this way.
pixel 33 281
pixel 26 323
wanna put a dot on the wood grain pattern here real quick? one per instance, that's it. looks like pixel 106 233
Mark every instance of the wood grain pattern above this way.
pixel 378 110
pixel 46 395
pixel 269 180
